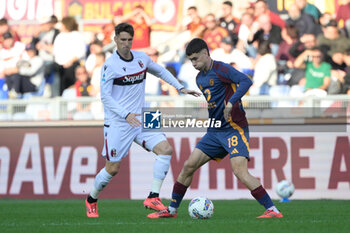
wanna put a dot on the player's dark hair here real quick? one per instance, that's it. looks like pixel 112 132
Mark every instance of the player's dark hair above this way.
pixel 264 1
pixel 229 3
pixel 124 27
pixel 3 21
pixel 195 46
pixel 192 8
pixel 70 23
pixel 264 48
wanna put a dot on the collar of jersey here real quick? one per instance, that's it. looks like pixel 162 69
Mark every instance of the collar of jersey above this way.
pixel 132 57
pixel 210 67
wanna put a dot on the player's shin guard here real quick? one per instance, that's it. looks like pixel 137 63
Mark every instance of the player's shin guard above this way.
pixel 262 197
pixel 160 169
pixel 101 181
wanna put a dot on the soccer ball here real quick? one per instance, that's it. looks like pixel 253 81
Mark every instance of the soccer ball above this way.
pixel 285 189
pixel 201 208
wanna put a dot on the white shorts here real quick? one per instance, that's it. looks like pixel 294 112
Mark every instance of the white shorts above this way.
pixel 119 137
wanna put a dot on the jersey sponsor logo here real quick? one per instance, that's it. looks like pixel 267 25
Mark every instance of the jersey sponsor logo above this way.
pixel 131 79
pixel 151 119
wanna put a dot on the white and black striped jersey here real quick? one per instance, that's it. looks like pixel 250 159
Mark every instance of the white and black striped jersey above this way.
pixel 123 84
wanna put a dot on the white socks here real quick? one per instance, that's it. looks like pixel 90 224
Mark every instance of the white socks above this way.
pixel 274 209
pixel 101 181
pixel 160 169
pixel 172 210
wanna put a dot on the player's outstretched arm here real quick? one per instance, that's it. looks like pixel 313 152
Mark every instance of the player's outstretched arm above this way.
pixel 190 92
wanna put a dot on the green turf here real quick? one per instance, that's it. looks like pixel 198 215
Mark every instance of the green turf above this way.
pixel 129 216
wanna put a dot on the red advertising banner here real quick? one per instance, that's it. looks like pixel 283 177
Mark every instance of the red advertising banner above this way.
pixel 23 15
pixel 165 13
pixel 61 162
pixel 41 163
pixel 26 9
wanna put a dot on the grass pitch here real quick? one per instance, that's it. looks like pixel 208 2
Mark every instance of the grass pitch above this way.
pixel 129 216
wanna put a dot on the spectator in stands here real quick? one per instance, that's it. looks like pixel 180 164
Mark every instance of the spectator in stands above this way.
pixel 245 28
pixel 228 21
pixel 264 30
pixel 261 8
pixel 325 18
pixel 30 73
pixel 213 33
pixel 68 49
pixel 11 52
pixel 323 21
pixel 152 81
pixel 94 48
pixel 343 76
pixel 302 21
pixel 308 8
pixel 82 83
pixel 44 44
pixel 285 61
pixel 167 89
pixel 283 53
pixel 228 53
pixel 141 22
pixel 187 75
pixel 5 27
pixel 108 33
pixel 317 72
pixel 343 16
pixel 265 74
pixel 333 45
pixel 192 22
pixel 96 73
pixel 306 42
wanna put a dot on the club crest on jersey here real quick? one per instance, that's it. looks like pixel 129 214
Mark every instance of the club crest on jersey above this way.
pixel 211 82
pixel 124 68
pixel 140 63
pixel 113 152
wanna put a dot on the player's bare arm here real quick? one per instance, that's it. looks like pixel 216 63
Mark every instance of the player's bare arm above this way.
pixel 132 120
pixel 190 92
pixel 227 111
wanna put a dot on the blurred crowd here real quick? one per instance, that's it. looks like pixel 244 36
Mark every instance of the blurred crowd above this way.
pixel 306 52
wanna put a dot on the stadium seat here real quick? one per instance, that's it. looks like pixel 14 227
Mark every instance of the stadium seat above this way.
pixel 83 116
pixel 5 117
pixel 22 116
pixel 3 89
pixel 280 91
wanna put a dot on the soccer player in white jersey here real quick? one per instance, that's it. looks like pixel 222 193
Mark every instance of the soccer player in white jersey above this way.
pixel 123 96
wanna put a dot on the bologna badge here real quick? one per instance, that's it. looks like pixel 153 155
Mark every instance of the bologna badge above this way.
pixel 140 63
pixel 113 152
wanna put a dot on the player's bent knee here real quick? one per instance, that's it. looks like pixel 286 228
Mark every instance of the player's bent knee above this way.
pixel 112 168
pixel 163 148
